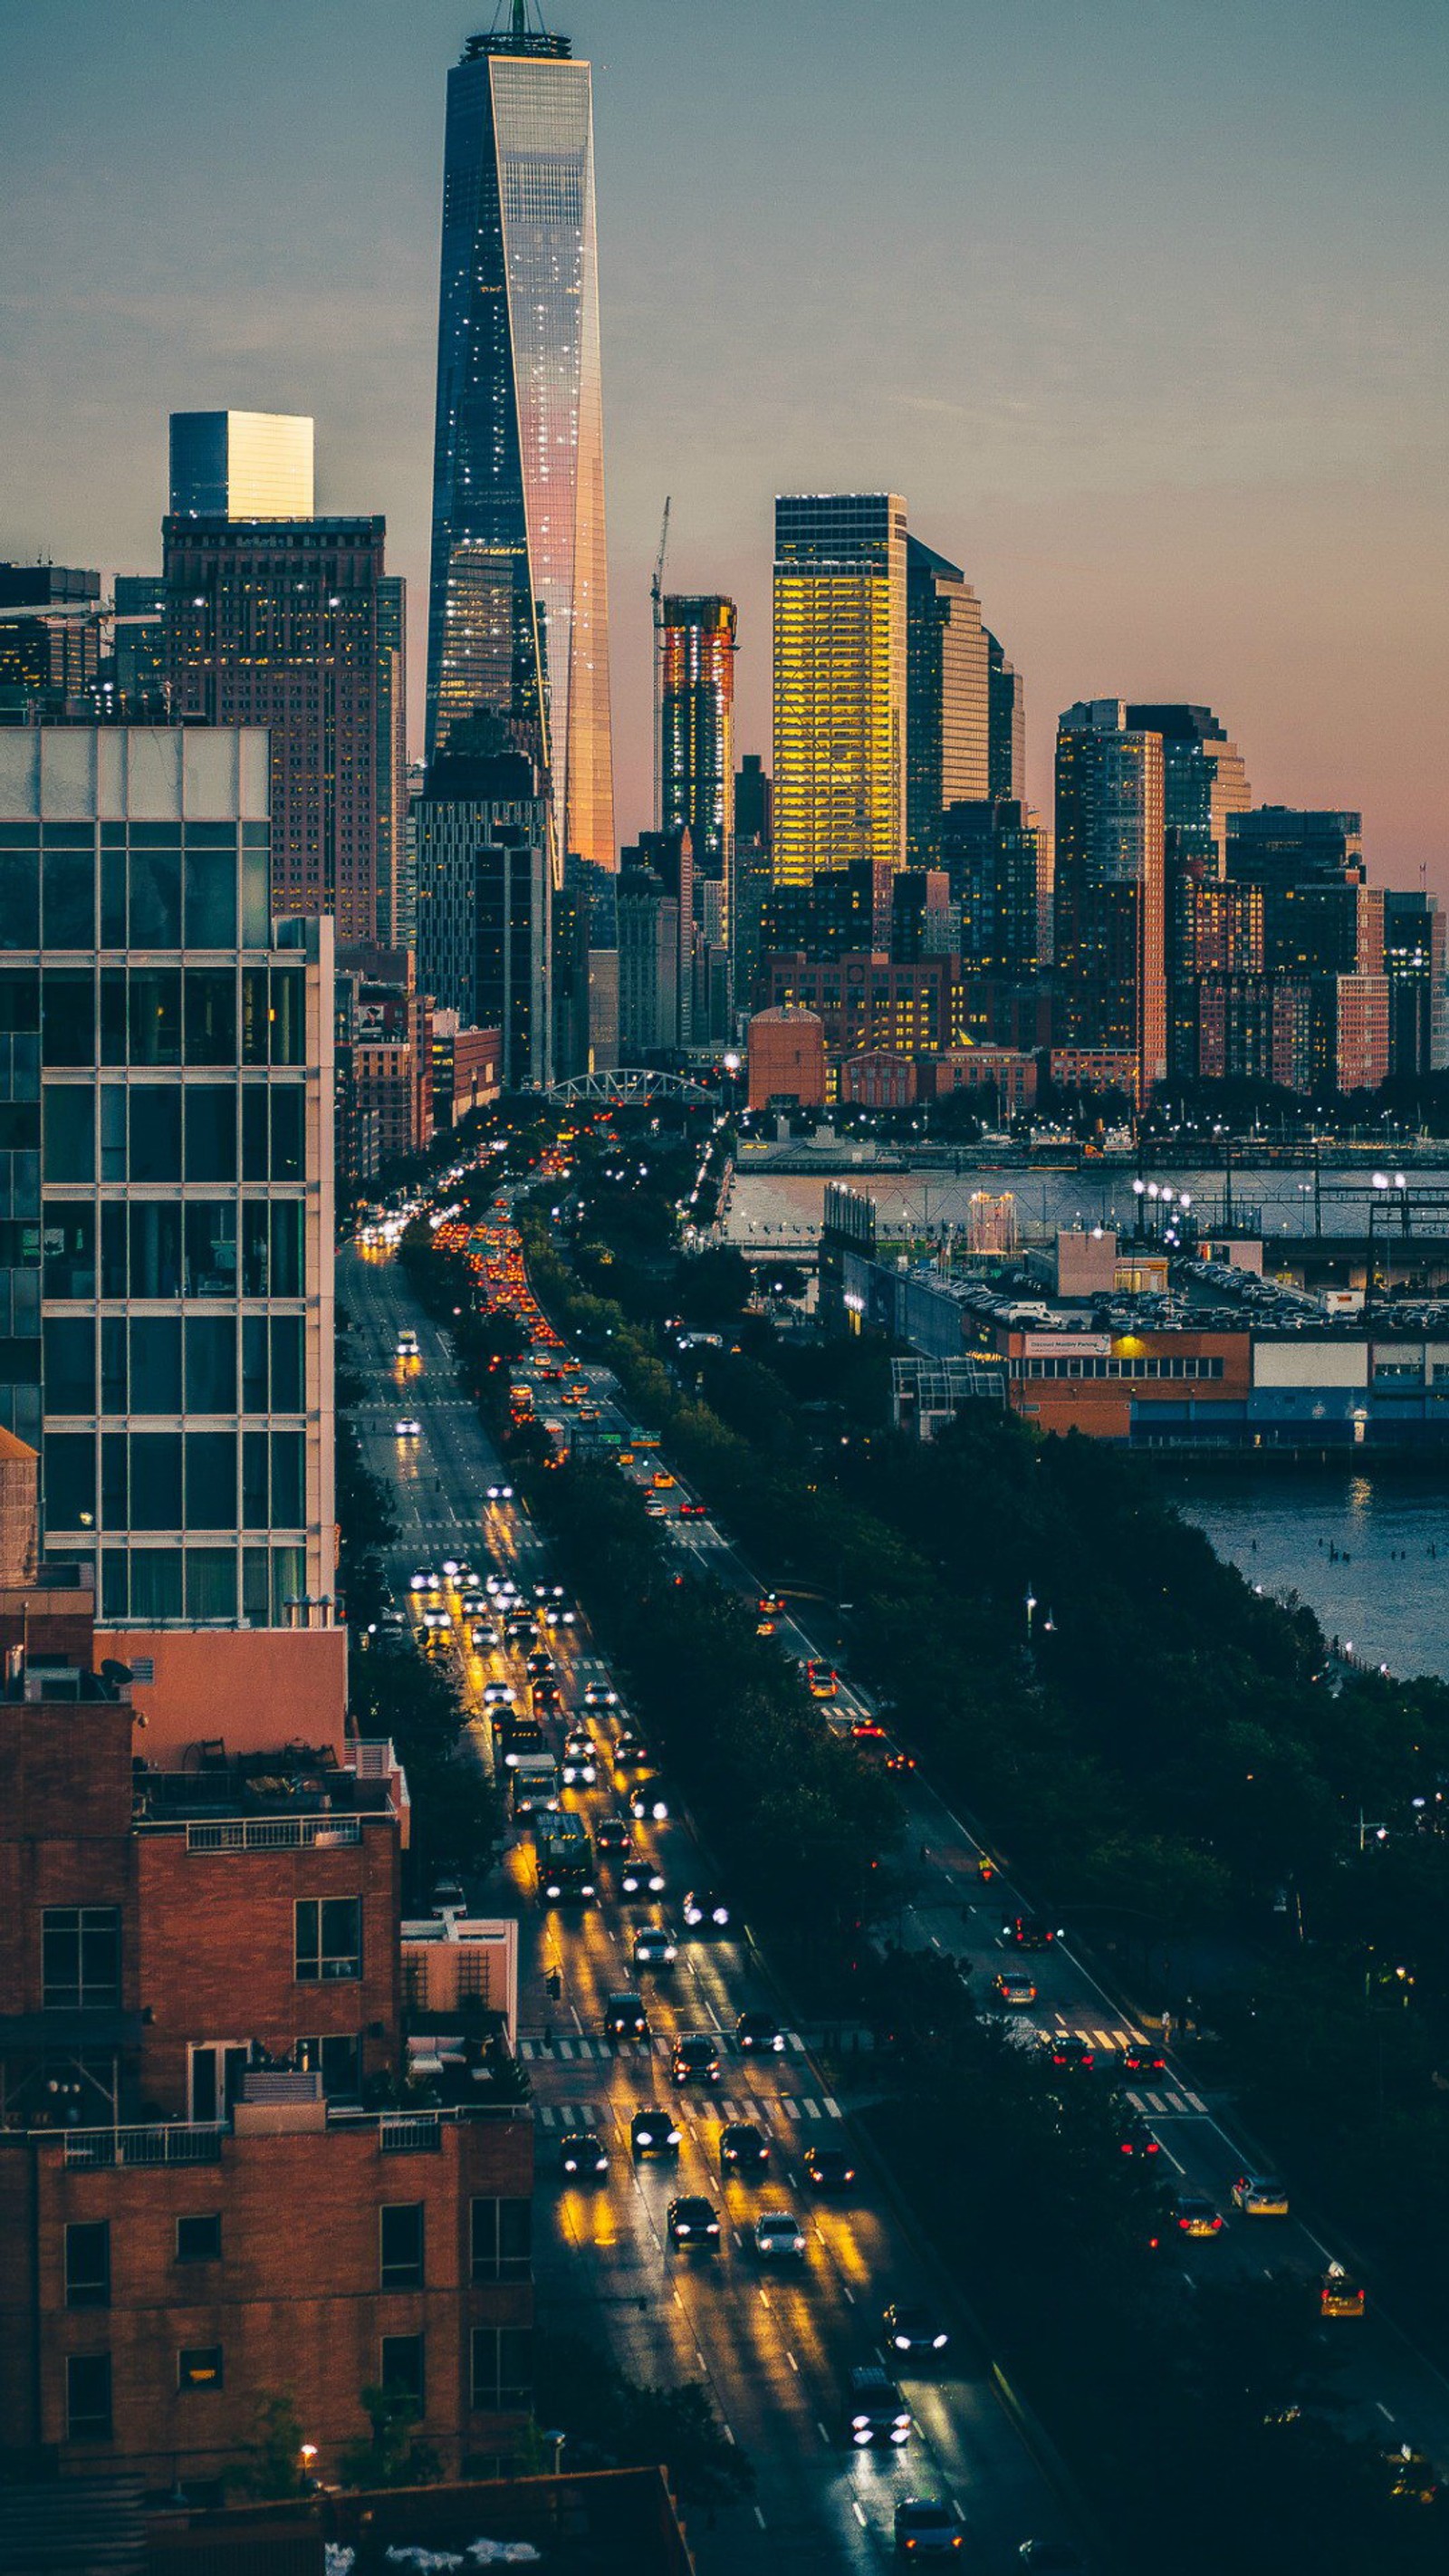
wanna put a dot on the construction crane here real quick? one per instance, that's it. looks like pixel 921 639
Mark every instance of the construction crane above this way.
pixel 656 594
pixel 78 612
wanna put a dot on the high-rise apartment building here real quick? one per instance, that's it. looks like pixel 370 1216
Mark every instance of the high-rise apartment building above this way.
pixel 54 654
pixel 948 712
pixel 166 1285
pixel 1007 710
pixel 485 900
pixel 1110 950
pixel 1203 782
pixel 697 645
pixel 839 782
pixel 291 624
pixel 241 465
pixel 667 857
pixel 518 619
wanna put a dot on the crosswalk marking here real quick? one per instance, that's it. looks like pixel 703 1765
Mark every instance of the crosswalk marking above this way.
pixel 1168 2105
pixel 833 2107
pixel 660 2044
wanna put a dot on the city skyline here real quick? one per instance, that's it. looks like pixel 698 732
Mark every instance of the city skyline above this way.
pixel 1174 500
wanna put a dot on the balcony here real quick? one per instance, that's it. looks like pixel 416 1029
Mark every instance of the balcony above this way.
pixel 272 1833
pixel 171 2143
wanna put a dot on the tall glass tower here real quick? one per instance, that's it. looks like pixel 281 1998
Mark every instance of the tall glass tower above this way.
pixel 840 682
pixel 518 613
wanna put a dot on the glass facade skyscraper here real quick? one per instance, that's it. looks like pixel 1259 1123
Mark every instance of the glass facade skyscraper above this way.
pixel 947 698
pixel 697 726
pixel 241 465
pixel 1110 943
pixel 839 682
pixel 518 612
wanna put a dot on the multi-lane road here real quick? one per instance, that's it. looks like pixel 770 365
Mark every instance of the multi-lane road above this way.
pixel 774 2345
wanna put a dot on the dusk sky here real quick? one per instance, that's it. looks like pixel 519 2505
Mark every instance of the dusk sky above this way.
pixel 1141 307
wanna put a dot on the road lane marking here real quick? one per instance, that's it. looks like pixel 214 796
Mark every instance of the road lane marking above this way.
pixel 958 2509
pixel 859 2511
pixel 759 2517
pixel 1383 2410
pixel 794 2365
pixel 820 2429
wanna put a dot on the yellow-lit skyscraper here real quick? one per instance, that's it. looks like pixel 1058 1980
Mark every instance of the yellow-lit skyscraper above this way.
pixel 839 682
pixel 241 465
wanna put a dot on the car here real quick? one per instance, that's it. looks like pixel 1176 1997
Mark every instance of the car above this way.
pixel 693 2221
pixel 662 1480
pixel 639 1878
pixel 821 1680
pixel 649 1802
pixel 1141 2061
pixel 828 2168
pixel 1027 1932
pixel 655 1508
pixel 472 1601
pixel 629 1755
pixel 580 1764
pixel 654 1946
pixel 600 1695
pixel 614 1833
pixel 485 1637
pixel 1136 2140
pixel 1013 1987
pixel 743 2148
pixel 759 2033
pixel 704 1912
pixel 499 1695
pixel 694 1511
pixel 925 2529
pixel 653 2132
pixel 499 1493
pixel 583 2155
pixel 539 1664
pixel 547 1699
pixel 1260 2196
pixel 1194 2216
pixel 626 1457
pixel 406 1346
pixel 1052 2558
pixel 778 2237
pixel 448 1897
pixel 1064 2049
pixel 1339 2295
pixel 913 2331
pixel 408 1428
pixel 425 1579
pixel 695 2059
pixel 875 2411
pixel 625 2017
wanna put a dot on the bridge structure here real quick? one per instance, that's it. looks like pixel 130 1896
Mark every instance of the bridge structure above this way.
pixel 631 1087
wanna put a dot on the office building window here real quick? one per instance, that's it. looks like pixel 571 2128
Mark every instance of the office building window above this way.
pixel 88 2264
pixel 502 2232
pixel 198 2240
pixel 402 2370
pixel 80 1950
pixel 502 2368
pixel 400 2245
pixel 328 1938
pixel 88 2397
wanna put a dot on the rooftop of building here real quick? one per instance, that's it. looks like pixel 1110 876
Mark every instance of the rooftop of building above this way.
pixel 291 1780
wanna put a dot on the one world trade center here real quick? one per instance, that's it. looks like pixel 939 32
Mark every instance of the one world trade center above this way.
pixel 518 621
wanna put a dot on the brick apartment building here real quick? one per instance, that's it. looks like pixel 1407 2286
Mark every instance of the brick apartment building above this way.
pixel 213 2184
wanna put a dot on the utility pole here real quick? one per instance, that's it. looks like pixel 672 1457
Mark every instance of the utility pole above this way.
pixel 656 595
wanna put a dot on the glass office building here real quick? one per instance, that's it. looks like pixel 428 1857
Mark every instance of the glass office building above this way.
pixel 1111 978
pixel 947 698
pixel 241 465
pixel 518 617
pixel 166 1223
pixel 839 770
pixel 697 645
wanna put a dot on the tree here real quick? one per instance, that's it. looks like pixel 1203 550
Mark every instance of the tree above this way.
pixel 391 2456
pixel 271 2462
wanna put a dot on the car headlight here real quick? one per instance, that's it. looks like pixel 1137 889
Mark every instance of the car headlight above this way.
pixel 674 2137
pixel 938 2343
pixel 721 1914
pixel 681 2227
pixel 569 2165
pixel 670 1951
pixel 903 2343
pixel 900 2432
pixel 587 1888
pixel 860 2423
pixel 778 2040
pixel 601 2164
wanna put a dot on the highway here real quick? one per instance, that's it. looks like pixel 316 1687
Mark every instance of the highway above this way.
pixel 773 2342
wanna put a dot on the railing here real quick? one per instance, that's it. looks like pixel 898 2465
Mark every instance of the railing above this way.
pixel 412 2133
pixel 272 1833
pixel 376 1759
pixel 172 2144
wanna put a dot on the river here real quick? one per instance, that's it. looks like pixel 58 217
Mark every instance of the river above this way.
pixel 1369 1553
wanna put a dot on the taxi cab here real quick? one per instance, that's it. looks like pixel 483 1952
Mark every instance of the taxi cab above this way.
pixel 1339 2295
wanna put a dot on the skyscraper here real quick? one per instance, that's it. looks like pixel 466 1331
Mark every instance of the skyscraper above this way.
pixel 394 905
pixel 839 682
pixel 241 465
pixel 697 726
pixel 283 623
pixel 1111 974
pixel 518 619
pixel 1008 724
pixel 485 899
pixel 54 654
pixel 1203 782
pixel 947 698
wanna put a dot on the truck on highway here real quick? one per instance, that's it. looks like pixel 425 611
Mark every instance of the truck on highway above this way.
pixel 566 1874
pixel 535 1785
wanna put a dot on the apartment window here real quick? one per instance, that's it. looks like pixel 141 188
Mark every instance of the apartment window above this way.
pixel 80 1950
pixel 198 2240
pixel 502 2239
pixel 329 1938
pixel 88 2264
pixel 502 2368
pixel 400 2245
pixel 402 2370
pixel 88 2396
pixel 201 2367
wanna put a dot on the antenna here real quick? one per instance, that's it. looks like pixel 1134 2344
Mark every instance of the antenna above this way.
pixel 656 594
